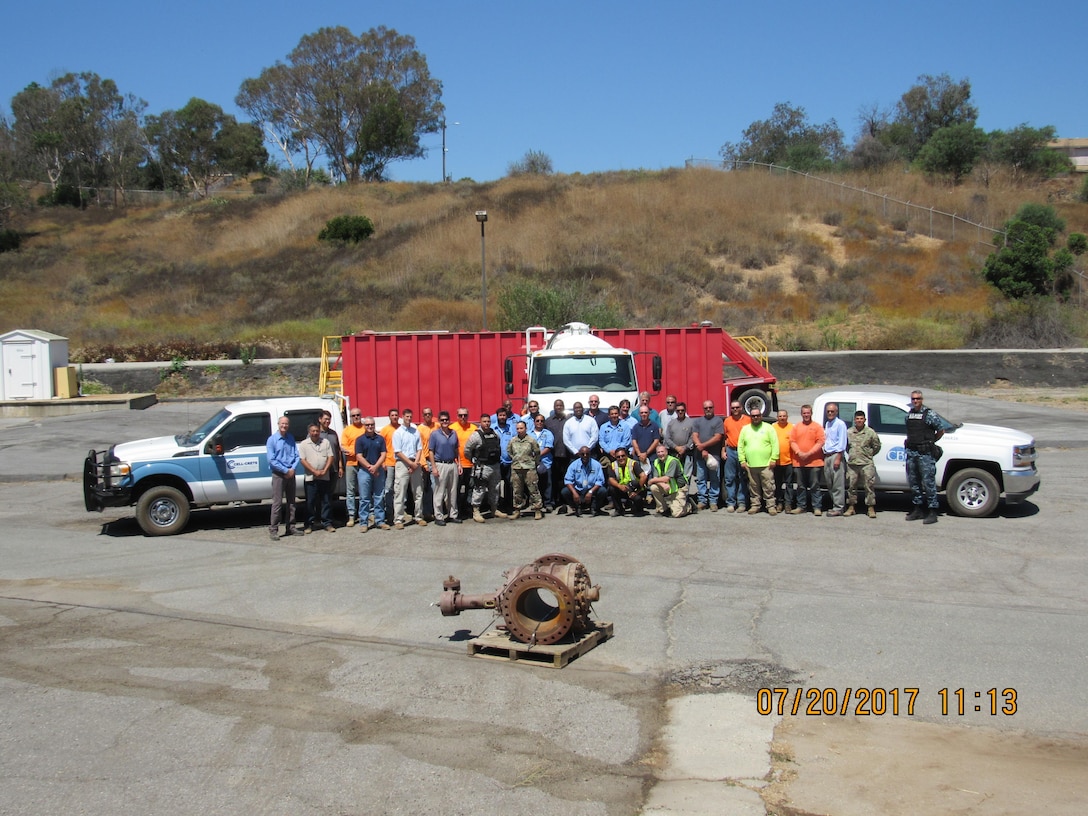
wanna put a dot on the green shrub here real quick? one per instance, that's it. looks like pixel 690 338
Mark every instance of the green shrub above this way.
pixel 1083 194
pixel 523 303
pixel 10 240
pixel 92 387
pixel 1042 216
pixel 63 195
pixel 727 286
pixel 805 275
pixel 345 228
pixel 1029 323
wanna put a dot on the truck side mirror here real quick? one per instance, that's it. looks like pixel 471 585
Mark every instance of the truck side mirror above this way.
pixel 508 373
pixel 657 372
pixel 509 389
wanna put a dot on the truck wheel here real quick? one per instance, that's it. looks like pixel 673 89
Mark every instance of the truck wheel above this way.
pixel 754 398
pixel 973 492
pixel 162 510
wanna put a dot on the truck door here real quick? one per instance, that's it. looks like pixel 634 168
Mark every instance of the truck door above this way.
pixel 234 461
pixel 890 423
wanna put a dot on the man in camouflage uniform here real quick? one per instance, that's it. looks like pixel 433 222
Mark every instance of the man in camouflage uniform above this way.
pixel 524 452
pixel 862 444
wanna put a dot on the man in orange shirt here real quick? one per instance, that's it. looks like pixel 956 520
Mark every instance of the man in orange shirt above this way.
pixel 351 473
pixel 427 425
pixel 783 474
pixel 734 479
pixel 386 433
pixel 807 448
pixel 464 429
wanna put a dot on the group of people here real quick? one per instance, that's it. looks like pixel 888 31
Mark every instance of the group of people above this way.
pixel 446 469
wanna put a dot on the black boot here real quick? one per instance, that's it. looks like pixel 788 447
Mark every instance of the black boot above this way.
pixel 916 514
pixel 931 517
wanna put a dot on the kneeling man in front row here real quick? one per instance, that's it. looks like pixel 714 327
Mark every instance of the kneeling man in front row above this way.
pixel 584 488
pixel 668 485
pixel 626 485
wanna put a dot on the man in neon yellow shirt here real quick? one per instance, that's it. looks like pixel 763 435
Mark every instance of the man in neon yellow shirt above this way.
pixel 757 449
pixel 667 483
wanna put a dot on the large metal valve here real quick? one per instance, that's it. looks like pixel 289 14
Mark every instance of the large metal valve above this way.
pixel 541 602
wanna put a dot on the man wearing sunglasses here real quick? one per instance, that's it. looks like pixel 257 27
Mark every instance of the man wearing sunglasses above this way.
pixel 464 430
pixel 923 430
pixel 351 465
pixel 734 479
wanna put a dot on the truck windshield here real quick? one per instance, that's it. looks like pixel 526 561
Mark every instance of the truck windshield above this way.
pixel 589 372
pixel 196 437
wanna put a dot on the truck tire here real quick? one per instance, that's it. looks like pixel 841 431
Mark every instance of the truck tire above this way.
pixel 162 510
pixel 755 398
pixel 973 492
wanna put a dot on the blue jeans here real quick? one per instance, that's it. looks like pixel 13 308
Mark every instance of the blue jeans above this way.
pixel 372 495
pixel 735 479
pixel 544 481
pixel 351 478
pixel 706 480
pixel 783 481
pixel 808 488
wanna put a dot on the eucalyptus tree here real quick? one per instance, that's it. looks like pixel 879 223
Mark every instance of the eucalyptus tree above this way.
pixel 364 100
pixel 199 143
pixel 81 130
pixel 935 102
pixel 788 138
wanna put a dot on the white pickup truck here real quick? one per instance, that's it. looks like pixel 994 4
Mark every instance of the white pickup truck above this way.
pixel 223 461
pixel 980 462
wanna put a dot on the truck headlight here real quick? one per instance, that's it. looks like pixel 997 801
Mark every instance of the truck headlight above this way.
pixel 1023 455
pixel 119 470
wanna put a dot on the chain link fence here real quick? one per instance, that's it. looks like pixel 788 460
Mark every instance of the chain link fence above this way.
pixel 903 215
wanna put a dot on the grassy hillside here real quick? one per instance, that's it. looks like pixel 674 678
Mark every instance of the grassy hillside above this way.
pixel 776 256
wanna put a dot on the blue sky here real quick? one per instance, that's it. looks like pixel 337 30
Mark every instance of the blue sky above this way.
pixel 597 85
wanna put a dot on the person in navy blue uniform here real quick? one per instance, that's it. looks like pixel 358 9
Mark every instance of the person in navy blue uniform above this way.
pixel 924 428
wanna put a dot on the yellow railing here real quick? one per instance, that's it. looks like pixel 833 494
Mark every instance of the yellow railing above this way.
pixel 756 347
pixel 331 380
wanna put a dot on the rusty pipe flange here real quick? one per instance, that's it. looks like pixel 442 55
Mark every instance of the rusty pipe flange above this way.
pixel 556 558
pixel 538 608
pixel 584 595
pixel 575 577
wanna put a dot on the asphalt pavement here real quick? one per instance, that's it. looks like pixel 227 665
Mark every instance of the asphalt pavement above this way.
pixel 218 671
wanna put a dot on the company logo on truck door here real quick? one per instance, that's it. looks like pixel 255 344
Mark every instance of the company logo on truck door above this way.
pixel 244 464
pixel 897 454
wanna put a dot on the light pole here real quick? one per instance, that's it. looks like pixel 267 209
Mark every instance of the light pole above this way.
pixel 445 178
pixel 481 216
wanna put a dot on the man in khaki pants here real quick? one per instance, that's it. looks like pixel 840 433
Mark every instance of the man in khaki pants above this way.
pixel 758 452
pixel 667 483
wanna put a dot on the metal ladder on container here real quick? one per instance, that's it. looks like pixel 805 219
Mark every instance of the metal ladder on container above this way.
pixel 331 380
pixel 756 347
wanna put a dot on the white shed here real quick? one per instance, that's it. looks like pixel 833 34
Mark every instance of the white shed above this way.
pixel 30 358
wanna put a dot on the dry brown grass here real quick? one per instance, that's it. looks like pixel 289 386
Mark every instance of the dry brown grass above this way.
pixel 786 258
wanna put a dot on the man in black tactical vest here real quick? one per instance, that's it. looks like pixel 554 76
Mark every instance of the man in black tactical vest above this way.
pixel 484 450
pixel 923 430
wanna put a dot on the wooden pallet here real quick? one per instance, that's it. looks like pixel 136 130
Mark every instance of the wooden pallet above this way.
pixel 497 645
